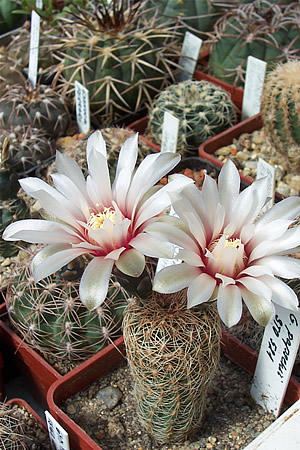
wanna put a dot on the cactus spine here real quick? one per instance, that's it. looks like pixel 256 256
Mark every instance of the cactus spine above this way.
pixel 172 352
pixel 280 110
pixel 51 318
pixel 203 110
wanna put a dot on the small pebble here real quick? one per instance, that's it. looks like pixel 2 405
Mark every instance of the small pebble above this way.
pixel 110 396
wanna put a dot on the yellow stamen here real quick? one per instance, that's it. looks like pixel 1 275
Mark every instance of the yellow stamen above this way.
pixel 231 243
pixel 97 220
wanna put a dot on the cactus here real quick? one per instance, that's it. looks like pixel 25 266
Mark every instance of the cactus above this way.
pixel 123 57
pixel 8 19
pixel 172 353
pixel 280 110
pixel 28 147
pixel 114 137
pixel 12 208
pixel 263 29
pixel 203 110
pixel 10 71
pixel 51 318
pixel 40 107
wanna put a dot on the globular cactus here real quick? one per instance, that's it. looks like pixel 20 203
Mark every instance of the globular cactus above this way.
pixel 280 109
pixel 76 149
pixel 28 147
pixel 172 353
pixel 40 107
pixel 264 29
pixel 120 54
pixel 203 110
pixel 10 71
pixel 12 208
pixel 52 319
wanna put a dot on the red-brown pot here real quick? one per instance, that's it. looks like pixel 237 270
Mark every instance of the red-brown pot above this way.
pixel 109 358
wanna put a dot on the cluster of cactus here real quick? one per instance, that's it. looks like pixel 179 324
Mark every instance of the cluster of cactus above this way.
pixel 12 208
pixel 12 431
pixel 28 147
pixel 203 110
pixel 120 54
pixel 280 108
pixel 264 29
pixel 172 353
pixel 40 107
pixel 50 315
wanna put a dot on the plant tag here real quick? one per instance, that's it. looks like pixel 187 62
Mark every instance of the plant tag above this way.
pixel 265 169
pixel 39 4
pixel 165 262
pixel 276 359
pixel 254 83
pixel 190 53
pixel 34 48
pixel 82 108
pixel 58 436
pixel 169 133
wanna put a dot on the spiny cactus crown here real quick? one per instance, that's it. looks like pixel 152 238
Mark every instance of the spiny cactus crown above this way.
pixel 203 110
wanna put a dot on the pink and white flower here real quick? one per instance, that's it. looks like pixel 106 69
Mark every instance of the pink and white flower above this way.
pixel 229 250
pixel 91 216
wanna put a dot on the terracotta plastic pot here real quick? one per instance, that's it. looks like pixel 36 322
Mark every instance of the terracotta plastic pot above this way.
pixel 236 96
pixel 21 402
pixel 2 389
pixel 109 358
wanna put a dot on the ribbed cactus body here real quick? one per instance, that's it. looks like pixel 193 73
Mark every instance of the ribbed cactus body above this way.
pixel 172 352
pixel 203 110
pixel 52 319
pixel 40 107
pixel 123 65
pixel 263 29
pixel 281 111
pixel 28 147
pixel 11 210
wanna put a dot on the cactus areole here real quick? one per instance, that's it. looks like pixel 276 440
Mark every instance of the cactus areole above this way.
pixel 121 56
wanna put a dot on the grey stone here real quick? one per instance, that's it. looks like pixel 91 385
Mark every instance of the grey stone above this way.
pixel 110 396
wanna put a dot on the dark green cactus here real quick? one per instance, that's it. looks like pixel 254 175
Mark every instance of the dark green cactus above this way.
pixel 9 20
pixel 41 107
pixel 51 318
pixel 280 110
pixel 203 110
pixel 28 147
pixel 123 57
pixel 263 29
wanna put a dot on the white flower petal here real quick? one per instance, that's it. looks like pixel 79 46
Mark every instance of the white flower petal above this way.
pixel 229 305
pixel 256 271
pixel 38 231
pixel 191 258
pixel 164 231
pixel 151 246
pixel 69 167
pixel 174 278
pixel 282 294
pixel 131 262
pixel 262 310
pixel 54 260
pixel 256 286
pixel 282 266
pixel 96 143
pixel 115 254
pixel 94 282
pixel 200 290
pixel 229 186
pixel 101 187
pixel 289 208
pixel 69 190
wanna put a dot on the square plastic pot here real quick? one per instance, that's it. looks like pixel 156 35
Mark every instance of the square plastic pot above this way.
pixel 235 93
pixel 109 358
pixel 21 402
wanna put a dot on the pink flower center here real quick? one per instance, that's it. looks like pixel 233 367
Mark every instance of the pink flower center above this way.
pixel 225 256
pixel 97 220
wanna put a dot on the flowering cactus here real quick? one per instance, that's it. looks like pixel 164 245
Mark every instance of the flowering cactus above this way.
pixel 231 253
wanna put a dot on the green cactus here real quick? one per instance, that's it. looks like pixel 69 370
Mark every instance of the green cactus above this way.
pixel 263 29
pixel 8 19
pixel 172 353
pixel 12 208
pixel 28 147
pixel 40 107
pixel 280 109
pixel 51 318
pixel 203 110
pixel 123 57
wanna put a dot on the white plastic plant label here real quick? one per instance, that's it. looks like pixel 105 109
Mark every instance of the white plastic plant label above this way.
pixel 34 48
pixel 265 169
pixel 276 359
pixel 254 83
pixel 82 108
pixel 39 4
pixel 190 53
pixel 169 133
pixel 58 436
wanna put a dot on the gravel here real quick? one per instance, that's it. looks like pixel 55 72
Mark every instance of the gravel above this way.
pixel 232 420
